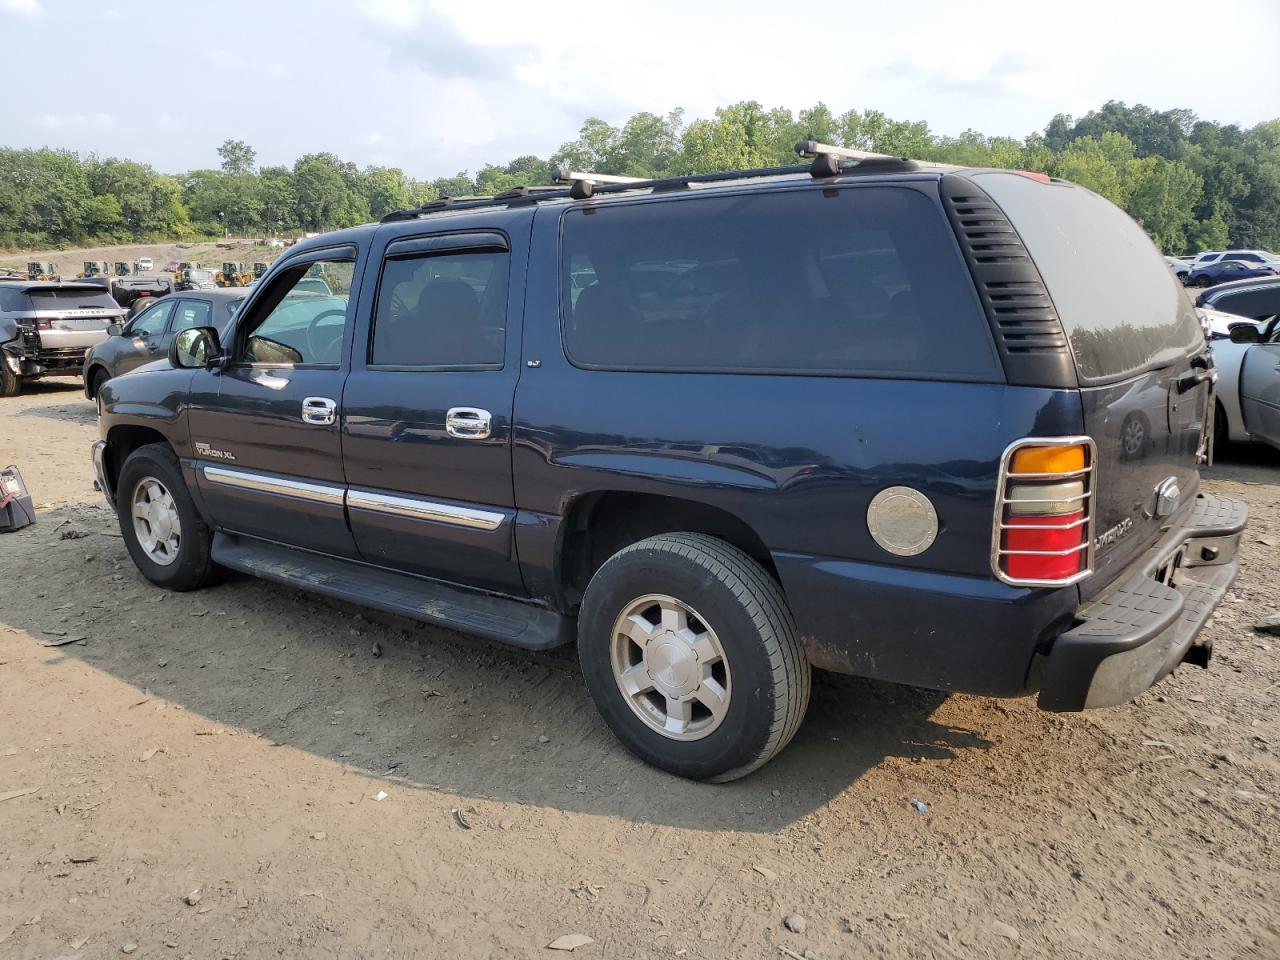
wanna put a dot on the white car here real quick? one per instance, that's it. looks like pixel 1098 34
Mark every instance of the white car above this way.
pixel 1246 353
pixel 1179 267
pixel 1259 257
pixel 144 265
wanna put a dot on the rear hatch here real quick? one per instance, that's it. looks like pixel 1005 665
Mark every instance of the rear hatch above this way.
pixel 1140 356
pixel 72 317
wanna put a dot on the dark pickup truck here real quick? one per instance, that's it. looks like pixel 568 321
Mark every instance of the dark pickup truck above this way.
pixel 877 417
pixel 47 326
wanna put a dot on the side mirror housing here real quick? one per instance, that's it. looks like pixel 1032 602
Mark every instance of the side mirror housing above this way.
pixel 114 330
pixel 1245 333
pixel 196 348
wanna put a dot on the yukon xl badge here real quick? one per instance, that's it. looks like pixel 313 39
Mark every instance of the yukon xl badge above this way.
pixel 204 450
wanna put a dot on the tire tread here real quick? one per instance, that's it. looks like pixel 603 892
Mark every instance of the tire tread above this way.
pixel 761 597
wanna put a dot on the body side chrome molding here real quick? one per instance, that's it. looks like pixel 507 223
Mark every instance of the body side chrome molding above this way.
pixel 424 510
pixel 262 483
pixel 368 500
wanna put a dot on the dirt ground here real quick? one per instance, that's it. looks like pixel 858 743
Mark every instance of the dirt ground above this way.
pixel 68 263
pixel 198 775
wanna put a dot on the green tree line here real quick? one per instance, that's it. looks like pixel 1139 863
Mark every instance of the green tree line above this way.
pixel 1193 184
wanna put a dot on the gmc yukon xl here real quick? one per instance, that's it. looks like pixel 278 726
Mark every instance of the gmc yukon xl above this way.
pixel 878 417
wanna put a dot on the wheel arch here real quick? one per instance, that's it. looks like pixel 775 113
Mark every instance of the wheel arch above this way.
pixel 122 440
pixel 598 524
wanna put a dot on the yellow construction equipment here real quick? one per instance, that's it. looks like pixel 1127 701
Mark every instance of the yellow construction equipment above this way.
pixel 41 271
pixel 93 268
pixel 232 275
pixel 123 269
pixel 259 268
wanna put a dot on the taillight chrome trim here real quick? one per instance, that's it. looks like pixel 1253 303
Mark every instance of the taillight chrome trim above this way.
pixel 998 526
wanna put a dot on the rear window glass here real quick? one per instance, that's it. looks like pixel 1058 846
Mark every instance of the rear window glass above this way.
pixel 55 299
pixel 1256 303
pixel 13 299
pixel 1123 309
pixel 853 281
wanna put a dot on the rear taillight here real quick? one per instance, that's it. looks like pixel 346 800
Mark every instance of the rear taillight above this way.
pixel 1043 534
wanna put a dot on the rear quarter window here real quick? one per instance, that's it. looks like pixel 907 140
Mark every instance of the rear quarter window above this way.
pixel 1123 310
pixel 851 281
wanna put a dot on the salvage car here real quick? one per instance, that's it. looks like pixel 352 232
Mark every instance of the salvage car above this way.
pixel 1224 271
pixel 147 336
pixel 46 326
pixel 860 414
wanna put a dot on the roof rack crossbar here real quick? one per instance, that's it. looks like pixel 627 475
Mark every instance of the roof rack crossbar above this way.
pixel 565 175
pixel 826 158
pixel 812 148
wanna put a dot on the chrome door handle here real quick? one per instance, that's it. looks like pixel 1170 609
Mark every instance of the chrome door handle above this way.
pixel 467 423
pixel 319 410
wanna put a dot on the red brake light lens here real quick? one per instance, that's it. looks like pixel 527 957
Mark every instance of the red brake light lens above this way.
pixel 1043 516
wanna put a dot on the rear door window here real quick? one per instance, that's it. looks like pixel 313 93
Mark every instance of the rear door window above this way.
pixel 1123 310
pixel 441 310
pixel 855 281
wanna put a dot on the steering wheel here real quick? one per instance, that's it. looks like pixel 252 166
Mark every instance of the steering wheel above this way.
pixel 314 353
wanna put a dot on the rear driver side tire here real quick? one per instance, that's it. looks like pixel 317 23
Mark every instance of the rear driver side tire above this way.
pixel 691 656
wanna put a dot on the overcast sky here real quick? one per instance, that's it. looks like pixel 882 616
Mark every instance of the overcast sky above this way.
pixel 438 87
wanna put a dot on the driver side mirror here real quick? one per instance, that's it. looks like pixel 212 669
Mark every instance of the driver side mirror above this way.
pixel 1245 333
pixel 114 330
pixel 196 348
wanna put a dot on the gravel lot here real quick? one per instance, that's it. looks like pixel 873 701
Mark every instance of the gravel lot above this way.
pixel 198 777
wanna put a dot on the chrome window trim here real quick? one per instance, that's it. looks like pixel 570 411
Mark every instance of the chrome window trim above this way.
pixel 998 526
pixel 424 510
pixel 301 489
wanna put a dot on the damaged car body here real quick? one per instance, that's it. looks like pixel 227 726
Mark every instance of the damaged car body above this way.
pixel 46 327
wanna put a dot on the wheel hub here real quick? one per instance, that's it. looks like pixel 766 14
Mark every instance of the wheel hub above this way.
pixel 672 665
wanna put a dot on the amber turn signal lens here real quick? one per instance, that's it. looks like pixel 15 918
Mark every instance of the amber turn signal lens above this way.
pixel 1048 459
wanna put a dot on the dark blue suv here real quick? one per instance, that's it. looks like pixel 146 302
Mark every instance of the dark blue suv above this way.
pixel 881 418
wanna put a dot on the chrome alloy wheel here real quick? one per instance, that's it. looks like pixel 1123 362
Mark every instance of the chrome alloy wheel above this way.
pixel 670 667
pixel 155 521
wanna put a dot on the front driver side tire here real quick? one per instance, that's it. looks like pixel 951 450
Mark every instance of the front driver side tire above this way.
pixel 691 656
pixel 10 382
pixel 162 530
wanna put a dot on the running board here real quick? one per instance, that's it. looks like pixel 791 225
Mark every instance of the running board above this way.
pixel 495 618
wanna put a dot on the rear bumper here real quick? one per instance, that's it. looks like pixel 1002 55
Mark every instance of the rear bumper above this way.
pixel 1141 628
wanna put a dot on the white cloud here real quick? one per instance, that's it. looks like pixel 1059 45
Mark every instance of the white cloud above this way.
pixel 222 57
pixel 111 13
pixel 22 8
pixel 63 121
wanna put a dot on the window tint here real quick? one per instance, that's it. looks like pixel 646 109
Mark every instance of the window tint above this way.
pixel 52 298
pixel 12 298
pixel 1123 310
pixel 1251 257
pixel 1255 303
pixel 191 313
pixel 443 310
pixel 150 322
pixel 864 280
pixel 296 323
